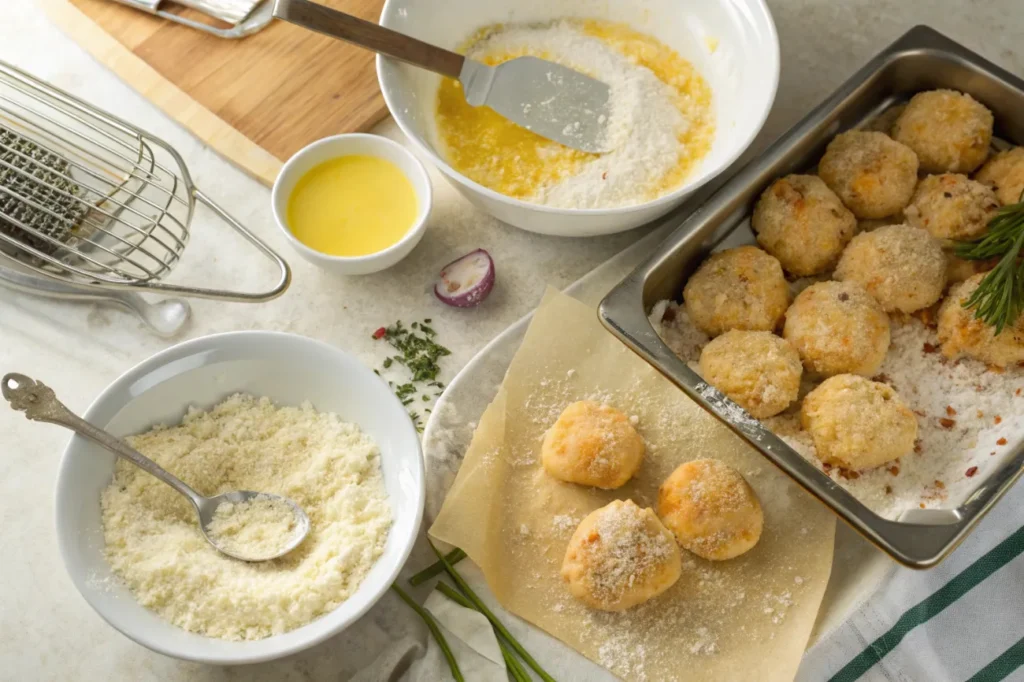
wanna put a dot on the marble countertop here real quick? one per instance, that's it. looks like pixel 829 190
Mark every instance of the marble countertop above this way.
pixel 47 631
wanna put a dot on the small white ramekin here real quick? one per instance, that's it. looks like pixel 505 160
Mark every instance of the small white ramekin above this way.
pixel 348 145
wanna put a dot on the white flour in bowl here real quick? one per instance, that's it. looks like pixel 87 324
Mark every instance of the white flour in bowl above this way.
pixel 327 466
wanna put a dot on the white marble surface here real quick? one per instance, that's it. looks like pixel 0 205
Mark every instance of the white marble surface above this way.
pixel 47 632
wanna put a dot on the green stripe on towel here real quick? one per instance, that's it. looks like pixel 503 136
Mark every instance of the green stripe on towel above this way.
pixel 1001 667
pixel 961 584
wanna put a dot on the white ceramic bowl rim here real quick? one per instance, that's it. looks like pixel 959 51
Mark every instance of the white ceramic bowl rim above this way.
pixel 102 410
pixel 422 213
pixel 686 188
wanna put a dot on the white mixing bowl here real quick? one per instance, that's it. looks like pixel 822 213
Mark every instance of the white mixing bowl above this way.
pixel 732 43
pixel 288 369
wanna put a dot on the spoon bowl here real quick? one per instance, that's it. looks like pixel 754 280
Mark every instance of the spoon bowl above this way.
pixel 208 507
pixel 39 403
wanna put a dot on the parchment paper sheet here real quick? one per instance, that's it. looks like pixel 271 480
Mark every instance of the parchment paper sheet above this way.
pixel 744 619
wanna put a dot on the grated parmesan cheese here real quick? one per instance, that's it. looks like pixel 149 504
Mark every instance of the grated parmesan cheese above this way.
pixel 327 466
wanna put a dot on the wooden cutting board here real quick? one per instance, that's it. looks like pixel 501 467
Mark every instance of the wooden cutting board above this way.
pixel 256 100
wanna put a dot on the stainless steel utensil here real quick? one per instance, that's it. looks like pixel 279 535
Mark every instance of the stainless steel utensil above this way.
pixel 245 16
pixel 39 403
pixel 90 199
pixel 549 99
pixel 922 59
pixel 165 317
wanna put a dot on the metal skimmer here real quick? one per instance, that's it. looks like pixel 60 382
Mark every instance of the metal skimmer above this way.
pixel 88 198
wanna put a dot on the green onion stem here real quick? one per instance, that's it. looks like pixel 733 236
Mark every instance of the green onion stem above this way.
pixel 437 568
pixel 482 608
pixel 515 668
pixel 434 630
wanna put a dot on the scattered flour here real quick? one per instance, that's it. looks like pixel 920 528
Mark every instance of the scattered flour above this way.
pixel 325 465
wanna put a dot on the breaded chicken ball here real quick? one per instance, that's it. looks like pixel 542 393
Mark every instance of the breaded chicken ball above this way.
pixel 711 509
pixel 951 206
pixel 858 424
pixel 1004 173
pixel 948 130
pixel 838 328
pixel 741 288
pixel 961 334
pixel 872 174
pixel 800 221
pixel 620 556
pixel 758 370
pixel 902 266
pixel 592 444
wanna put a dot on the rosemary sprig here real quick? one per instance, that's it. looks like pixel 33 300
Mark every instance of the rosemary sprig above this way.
pixel 434 630
pixel 999 299
pixel 468 592
pixel 437 568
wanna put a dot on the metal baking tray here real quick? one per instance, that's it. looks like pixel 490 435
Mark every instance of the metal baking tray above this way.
pixel 922 59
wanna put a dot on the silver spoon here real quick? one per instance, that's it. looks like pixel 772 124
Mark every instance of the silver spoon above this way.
pixel 166 317
pixel 39 403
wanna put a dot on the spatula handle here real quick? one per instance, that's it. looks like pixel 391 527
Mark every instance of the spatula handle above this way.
pixel 369 35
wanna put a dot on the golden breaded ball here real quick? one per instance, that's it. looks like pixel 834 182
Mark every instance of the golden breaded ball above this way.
pixel 948 130
pixel 711 509
pixel 592 444
pixel 620 556
pixel 902 266
pixel 961 334
pixel 838 328
pixel 1004 173
pixel 741 288
pixel 872 174
pixel 951 206
pixel 858 424
pixel 800 221
pixel 758 370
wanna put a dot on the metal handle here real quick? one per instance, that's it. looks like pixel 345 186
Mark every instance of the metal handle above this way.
pixel 166 317
pixel 40 403
pixel 369 35
pixel 256 21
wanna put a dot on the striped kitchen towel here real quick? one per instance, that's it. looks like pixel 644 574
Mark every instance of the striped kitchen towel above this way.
pixel 963 620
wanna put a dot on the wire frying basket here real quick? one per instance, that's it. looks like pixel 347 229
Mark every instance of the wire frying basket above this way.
pixel 88 198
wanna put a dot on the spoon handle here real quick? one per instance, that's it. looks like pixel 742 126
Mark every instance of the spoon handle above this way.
pixel 40 403
pixel 369 35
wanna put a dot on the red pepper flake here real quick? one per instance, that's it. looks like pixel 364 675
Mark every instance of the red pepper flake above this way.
pixel 1017 392
pixel 997 419
pixel 972 471
pixel 947 423
pixel 1001 441
pixel 826 466
pixel 922 505
pixel 919 413
pixel 930 347
pixel 918 448
pixel 379 334
pixel 888 490
pixel 849 475
pixel 950 411
pixel 604 176
pixel 882 378
pixel 940 485
pixel 894 470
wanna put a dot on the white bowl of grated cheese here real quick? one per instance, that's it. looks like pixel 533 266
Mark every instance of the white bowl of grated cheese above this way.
pixel 732 45
pixel 289 370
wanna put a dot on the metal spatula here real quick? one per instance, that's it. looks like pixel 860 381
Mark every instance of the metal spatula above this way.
pixel 553 101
